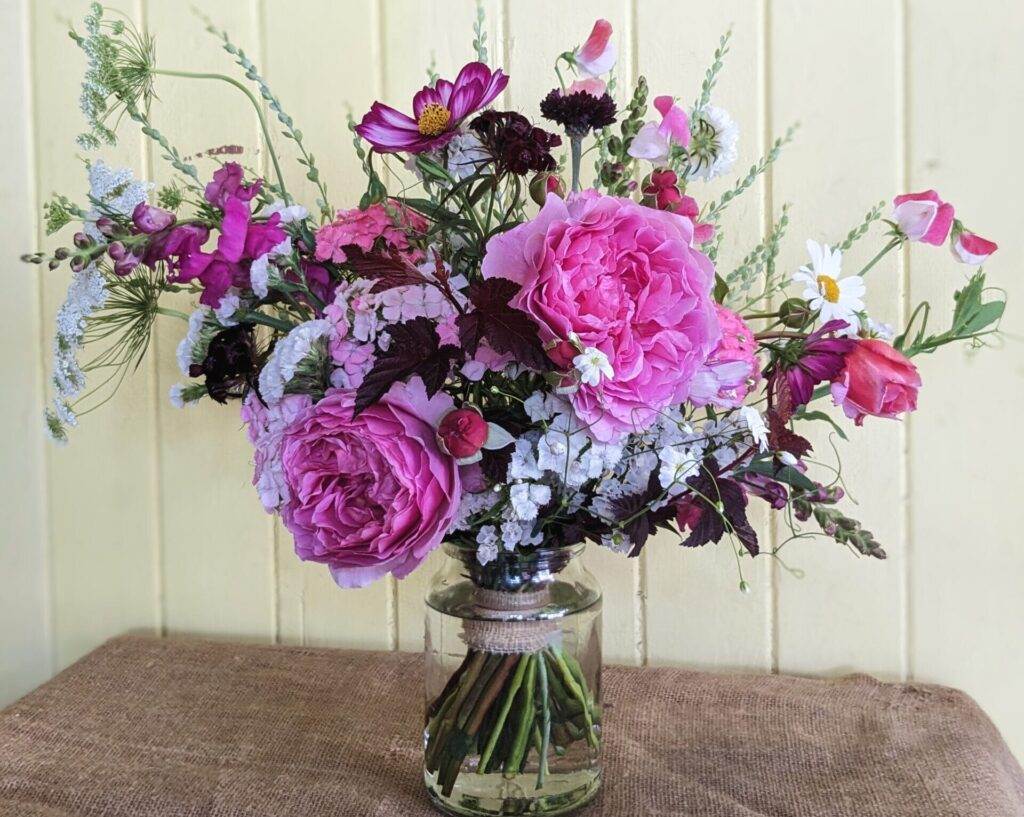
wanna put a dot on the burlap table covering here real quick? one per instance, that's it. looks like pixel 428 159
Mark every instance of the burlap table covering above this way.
pixel 186 727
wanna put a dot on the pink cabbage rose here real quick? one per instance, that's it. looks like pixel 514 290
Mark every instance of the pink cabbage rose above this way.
pixel 613 275
pixel 923 216
pixel 372 494
pixel 877 380
pixel 730 372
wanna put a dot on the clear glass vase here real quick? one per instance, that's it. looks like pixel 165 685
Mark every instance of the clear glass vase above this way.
pixel 513 683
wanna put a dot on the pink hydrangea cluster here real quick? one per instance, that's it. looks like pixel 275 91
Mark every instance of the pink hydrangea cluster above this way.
pixel 362 228
pixel 732 369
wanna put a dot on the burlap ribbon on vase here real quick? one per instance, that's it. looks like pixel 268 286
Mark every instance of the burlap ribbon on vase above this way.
pixel 507 624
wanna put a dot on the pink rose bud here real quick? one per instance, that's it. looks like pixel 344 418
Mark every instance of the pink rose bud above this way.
pixel 923 217
pixel 597 55
pixel 543 184
pixel 151 219
pixel 970 248
pixel 876 380
pixel 462 433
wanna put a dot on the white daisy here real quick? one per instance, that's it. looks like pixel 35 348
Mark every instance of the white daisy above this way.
pixel 835 298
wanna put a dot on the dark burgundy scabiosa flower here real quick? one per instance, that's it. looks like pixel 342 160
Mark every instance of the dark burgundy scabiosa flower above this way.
pixel 230 364
pixel 816 359
pixel 516 145
pixel 579 112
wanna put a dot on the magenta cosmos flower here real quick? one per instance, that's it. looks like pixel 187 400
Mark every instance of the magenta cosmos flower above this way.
pixel 609 274
pixel 437 112
pixel 371 494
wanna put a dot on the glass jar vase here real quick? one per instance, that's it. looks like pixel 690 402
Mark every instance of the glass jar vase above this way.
pixel 513 683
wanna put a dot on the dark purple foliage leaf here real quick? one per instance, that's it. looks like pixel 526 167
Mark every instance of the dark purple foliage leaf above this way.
pixel 642 524
pixel 507 329
pixel 414 350
pixel 386 270
pixel 712 525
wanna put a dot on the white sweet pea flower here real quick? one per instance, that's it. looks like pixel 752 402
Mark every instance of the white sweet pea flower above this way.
pixel 593 364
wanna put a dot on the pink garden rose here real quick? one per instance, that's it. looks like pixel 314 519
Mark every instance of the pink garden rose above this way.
pixel 731 371
pixel 876 380
pixel 923 216
pixel 372 494
pixel 610 274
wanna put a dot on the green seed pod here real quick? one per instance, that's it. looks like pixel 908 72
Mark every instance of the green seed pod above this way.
pixel 795 313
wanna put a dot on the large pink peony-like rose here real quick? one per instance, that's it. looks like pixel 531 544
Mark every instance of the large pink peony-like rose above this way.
pixel 876 380
pixel 732 369
pixel 373 494
pixel 626 280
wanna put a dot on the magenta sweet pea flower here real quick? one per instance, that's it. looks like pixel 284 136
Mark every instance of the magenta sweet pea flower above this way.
pixel 970 248
pixel 597 55
pixel 437 112
pixel 923 216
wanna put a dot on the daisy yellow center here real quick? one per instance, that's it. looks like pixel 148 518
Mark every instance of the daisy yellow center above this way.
pixel 433 119
pixel 829 288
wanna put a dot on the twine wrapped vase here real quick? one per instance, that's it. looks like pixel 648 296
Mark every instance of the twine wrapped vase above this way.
pixel 513 683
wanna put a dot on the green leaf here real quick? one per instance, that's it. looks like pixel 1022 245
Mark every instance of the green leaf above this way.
pixel 821 415
pixel 721 289
pixel 786 474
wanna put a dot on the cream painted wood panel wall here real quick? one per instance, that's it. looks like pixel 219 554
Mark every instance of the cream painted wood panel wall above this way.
pixel 147 520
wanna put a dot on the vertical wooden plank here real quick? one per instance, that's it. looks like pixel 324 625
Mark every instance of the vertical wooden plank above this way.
pixel 966 603
pixel 218 556
pixel 346 42
pixel 848 612
pixel 687 590
pixel 27 647
pixel 538 32
pixel 413 36
pixel 102 494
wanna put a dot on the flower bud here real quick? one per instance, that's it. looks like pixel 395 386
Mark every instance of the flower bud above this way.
pixel 61 253
pixel 106 225
pixel 149 219
pixel 795 313
pixel 544 184
pixel 462 432
pixel 82 241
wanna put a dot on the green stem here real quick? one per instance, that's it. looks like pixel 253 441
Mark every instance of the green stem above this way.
pixel 499 724
pixel 255 104
pixel 576 150
pixel 574 688
pixel 884 251
pixel 172 313
pixel 545 734
pixel 526 716
pixel 267 320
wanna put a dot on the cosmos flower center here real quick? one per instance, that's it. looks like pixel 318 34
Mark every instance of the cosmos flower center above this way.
pixel 434 119
pixel 829 288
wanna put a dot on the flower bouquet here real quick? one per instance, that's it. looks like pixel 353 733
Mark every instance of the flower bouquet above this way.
pixel 484 353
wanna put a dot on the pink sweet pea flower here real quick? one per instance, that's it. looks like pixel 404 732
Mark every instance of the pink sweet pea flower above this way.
pixel 438 112
pixel 653 141
pixel 923 216
pixel 597 55
pixel 970 248
pixel 591 85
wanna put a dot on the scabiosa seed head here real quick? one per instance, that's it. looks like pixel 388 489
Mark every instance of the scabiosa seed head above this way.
pixel 230 363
